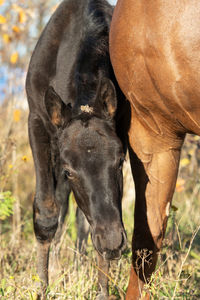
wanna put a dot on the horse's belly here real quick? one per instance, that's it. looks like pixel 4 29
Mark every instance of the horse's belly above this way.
pixel 157 63
pixel 165 89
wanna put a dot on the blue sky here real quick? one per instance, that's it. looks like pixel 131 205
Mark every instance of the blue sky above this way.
pixel 113 2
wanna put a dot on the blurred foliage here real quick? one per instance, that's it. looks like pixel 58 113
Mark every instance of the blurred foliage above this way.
pixel 20 25
pixel 6 205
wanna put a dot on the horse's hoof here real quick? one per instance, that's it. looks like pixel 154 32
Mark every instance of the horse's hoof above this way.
pixel 102 296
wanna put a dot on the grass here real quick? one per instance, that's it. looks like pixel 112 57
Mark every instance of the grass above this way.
pixel 178 271
pixel 19 278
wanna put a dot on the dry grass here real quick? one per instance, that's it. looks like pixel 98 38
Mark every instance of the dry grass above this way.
pixel 177 275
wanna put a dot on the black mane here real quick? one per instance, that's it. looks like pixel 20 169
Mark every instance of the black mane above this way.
pixel 72 54
pixel 93 60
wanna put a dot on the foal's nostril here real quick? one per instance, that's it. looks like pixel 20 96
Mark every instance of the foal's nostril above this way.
pixel 109 242
pixel 98 242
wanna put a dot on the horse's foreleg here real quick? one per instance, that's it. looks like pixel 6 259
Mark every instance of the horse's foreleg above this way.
pixel 155 174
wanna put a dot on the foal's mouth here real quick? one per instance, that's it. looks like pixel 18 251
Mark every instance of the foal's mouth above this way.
pixel 110 254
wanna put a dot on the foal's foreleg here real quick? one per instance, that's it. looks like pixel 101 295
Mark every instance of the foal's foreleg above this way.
pixel 103 268
pixel 45 208
pixel 62 198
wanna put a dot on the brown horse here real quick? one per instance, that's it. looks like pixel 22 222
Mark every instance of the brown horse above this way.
pixel 155 52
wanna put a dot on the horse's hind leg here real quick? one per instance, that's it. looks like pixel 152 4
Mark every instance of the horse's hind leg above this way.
pixel 154 168
pixel 45 208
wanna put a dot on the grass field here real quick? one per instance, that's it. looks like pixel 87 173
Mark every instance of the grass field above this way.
pixel 178 270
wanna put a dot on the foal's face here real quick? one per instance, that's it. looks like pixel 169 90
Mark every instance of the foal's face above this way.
pixel 92 159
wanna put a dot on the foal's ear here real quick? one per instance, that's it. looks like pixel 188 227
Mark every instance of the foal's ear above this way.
pixel 59 113
pixel 107 97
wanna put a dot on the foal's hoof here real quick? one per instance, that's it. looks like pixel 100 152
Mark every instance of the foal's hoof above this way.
pixel 102 296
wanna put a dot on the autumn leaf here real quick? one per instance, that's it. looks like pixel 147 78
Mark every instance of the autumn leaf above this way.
pixel 196 138
pixel 16 29
pixel 2 19
pixel 22 17
pixel 6 38
pixel 180 185
pixel 16 115
pixel 184 162
pixel 14 57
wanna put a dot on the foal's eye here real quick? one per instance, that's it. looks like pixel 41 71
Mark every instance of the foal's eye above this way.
pixel 67 173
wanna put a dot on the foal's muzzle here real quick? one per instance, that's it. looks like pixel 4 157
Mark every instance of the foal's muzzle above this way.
pixel 109 241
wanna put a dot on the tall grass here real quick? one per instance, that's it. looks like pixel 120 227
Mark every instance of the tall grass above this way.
pixel 178 272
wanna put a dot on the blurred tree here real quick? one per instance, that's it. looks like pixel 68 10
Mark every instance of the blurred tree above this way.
pixel 21 22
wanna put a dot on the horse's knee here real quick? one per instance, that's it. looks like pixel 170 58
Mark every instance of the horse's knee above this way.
pixel 145 240
pixel 45 219
pixel 157 225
